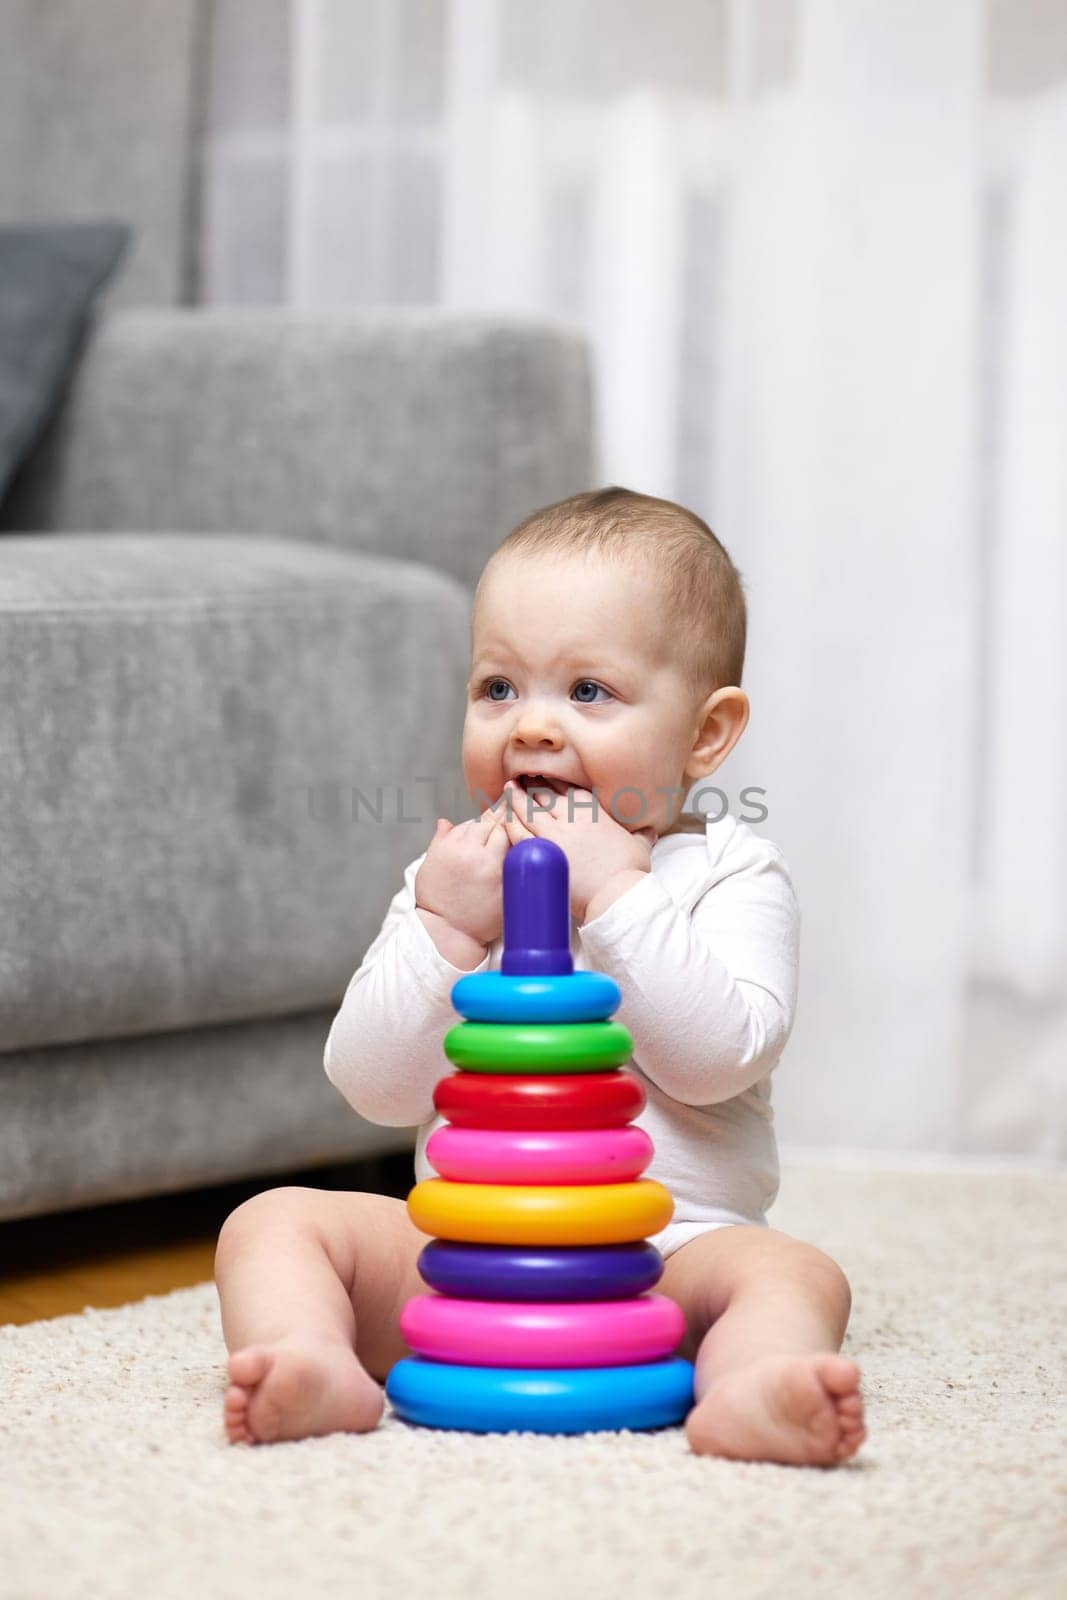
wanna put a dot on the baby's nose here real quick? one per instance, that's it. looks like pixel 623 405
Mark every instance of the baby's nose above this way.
pixel 537 725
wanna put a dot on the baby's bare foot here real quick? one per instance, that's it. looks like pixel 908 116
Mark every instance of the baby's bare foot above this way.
pixel 802 1410
pixel 298 1387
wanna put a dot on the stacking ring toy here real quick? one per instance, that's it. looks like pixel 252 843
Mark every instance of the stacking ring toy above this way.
pixel 537 1047
pixel 491 1333
pixel 496 1213
pixel 493 1155
pixel 655 1394
pixel 516 1272
pixel 565 997
pixel 588 1100
pixel 540 1266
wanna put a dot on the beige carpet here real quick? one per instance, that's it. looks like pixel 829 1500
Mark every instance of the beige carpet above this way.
pixel 116 1479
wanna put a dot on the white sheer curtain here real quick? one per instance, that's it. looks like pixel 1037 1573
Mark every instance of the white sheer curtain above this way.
pixel 819 248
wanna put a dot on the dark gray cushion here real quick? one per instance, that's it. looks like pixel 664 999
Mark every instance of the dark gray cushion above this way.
pixel 49 276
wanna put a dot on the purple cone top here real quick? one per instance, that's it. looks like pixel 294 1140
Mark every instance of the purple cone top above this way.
pixel 537 910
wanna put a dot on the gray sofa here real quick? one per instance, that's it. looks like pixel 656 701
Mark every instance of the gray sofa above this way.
pixel 235 582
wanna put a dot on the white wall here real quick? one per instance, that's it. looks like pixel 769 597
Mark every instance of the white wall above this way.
pixel 819 249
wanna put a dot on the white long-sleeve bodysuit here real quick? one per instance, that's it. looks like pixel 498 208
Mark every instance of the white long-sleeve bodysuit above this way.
pixel 705 952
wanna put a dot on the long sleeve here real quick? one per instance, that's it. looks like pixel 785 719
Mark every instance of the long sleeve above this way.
pixel 384 1050
pixel 709 995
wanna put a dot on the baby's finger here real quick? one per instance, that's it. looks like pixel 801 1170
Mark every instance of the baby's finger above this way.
pixel 533 818
pixel 515 814
pixel 499 841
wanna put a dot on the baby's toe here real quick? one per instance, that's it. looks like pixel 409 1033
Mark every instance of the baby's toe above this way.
pixel 839 1376
pixel 235 1414
pixel 250 1366
pixel 247 1369
pixel 823 1428
pixel 849 1442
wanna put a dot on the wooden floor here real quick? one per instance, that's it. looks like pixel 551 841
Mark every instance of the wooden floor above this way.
pixel 111 1255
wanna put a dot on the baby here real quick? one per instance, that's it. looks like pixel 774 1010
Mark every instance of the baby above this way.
pixel 608 637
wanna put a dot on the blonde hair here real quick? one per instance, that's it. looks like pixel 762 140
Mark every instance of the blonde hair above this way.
pixel 703 590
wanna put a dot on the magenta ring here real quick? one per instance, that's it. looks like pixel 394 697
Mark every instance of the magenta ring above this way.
pixel 549 1333
pixel 502 1155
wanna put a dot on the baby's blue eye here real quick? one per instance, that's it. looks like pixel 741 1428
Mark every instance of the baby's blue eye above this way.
pixel 583 699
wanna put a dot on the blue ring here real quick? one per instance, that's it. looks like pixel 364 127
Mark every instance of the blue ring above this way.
pixel 539 1272
pixel 436 1394
pixel 571 997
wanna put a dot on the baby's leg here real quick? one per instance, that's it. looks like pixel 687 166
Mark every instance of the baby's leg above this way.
pixel 765 1314
pixel 311 1283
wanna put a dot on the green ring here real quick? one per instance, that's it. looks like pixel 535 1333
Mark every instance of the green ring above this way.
pixel 538 1047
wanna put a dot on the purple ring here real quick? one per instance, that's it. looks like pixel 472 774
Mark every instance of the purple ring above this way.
pixel 540 1272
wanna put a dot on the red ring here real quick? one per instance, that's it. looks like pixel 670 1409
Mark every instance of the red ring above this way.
pixel 579 1100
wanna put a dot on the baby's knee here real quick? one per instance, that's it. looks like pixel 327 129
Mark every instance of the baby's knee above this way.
pixel 288 1206
pixel 820 1268
pixel 777 1256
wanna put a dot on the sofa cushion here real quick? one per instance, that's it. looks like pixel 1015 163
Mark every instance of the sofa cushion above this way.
pixel 412 431
pixel 107 1119
pixel 48 279
pixel 183 720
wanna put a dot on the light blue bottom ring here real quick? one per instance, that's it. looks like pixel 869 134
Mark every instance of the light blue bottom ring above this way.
pixel 438 1394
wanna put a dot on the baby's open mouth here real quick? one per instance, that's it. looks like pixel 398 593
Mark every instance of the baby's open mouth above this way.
pixel 537 780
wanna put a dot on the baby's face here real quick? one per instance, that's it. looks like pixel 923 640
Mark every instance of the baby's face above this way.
pixel 573 676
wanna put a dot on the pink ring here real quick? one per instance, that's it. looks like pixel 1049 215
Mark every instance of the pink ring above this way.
pixel 501 1155
pixel 545 1333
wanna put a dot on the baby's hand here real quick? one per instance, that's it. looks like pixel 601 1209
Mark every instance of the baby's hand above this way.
pixel 598 848
pixel 461 878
